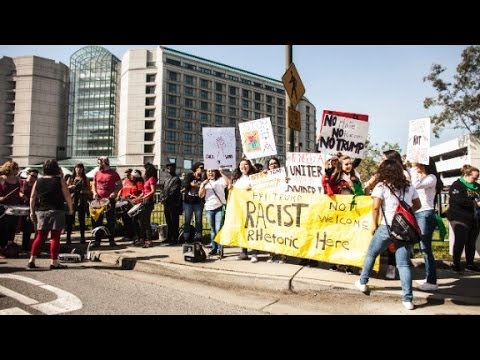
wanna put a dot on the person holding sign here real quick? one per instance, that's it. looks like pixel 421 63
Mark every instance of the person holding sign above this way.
pixel 240 180
pixel 274 163
pixel 424 178
pixel 213 191
pixel 343 181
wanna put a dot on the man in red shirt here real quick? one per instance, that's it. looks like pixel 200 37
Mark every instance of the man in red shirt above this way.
pixel 106 185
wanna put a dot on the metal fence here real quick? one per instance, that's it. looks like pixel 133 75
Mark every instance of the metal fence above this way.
pixel 158 217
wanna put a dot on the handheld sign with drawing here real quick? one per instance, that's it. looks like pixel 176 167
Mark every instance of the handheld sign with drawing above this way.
pixel 219 147
pixel 257 138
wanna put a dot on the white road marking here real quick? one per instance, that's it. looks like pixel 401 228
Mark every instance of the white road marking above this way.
pixel 19 297
pixel 65 301
pixel 14 311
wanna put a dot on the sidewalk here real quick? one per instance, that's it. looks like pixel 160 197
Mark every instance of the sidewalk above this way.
pixel 232 273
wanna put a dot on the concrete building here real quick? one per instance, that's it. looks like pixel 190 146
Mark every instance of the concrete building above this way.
pixel 167 97
pixel 451 155
pixel 93 104
pixel 150 107
pixel 33 103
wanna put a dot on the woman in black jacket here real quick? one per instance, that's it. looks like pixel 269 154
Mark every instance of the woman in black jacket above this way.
pixel 463 216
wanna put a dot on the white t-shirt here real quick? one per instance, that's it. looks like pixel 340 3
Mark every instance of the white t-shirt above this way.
pixel 426 189
pixel 390 202
pixel 243 182
pixel 212 201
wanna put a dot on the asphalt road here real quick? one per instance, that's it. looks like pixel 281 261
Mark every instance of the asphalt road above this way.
pixel 99 289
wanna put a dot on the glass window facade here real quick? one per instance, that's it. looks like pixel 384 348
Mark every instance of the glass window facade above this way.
pixel 92 116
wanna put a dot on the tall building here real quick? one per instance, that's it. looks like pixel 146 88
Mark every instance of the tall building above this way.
pixel 167 96
pixel 451 155
pixel 33 102
pixel 93 104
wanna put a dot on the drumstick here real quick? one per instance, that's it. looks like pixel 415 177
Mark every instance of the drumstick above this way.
pixel 11 192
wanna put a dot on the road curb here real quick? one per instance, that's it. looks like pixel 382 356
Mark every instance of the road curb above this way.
pixel 225 278
pixel 302 281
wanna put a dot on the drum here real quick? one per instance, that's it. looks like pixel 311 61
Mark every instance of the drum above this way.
pixel 97 207
pixel 17 210
pixel 122 206
pixel 136 209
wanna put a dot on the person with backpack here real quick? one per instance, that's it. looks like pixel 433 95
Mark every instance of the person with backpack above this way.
pixel 425 180
pixel 392 185
pixel 390 274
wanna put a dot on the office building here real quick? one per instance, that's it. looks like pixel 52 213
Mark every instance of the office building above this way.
pixel 33 103
pixel 451 155
pixel 167 96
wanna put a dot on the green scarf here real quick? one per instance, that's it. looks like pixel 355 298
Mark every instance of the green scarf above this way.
pixel 357 190
pixel 471 186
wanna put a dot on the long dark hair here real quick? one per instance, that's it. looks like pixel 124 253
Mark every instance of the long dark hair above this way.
pixel 150 171
pixel 81 172
pixel 391 172
pixel 237 174
pixel 431 169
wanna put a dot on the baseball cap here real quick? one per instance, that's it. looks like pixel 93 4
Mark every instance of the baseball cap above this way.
pixel 136 174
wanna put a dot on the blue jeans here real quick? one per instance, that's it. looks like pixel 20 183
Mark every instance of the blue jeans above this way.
pixel 427 222
pixel 379 243
pixel 189 210
pixel 215 220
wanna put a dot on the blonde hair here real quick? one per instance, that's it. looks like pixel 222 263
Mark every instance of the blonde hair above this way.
pixel 468 169
pixel 8 167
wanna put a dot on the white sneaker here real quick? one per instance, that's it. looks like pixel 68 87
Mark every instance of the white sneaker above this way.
pixel 428 287
pixel 362 287
pixel 421 282
pixel 390 274
pixel 270 260
pixel 408 305
pixel 254 259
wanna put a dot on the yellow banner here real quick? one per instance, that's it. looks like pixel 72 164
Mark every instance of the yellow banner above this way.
pixel 329 229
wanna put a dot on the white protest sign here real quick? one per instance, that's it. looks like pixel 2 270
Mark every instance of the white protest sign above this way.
pixel 257 138
pixel 304 172
pixel 219 147
pixel 269 179
pixel 344 132
pixel 418 141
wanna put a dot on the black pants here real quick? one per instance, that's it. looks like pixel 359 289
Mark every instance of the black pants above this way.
pixel 172 218
pixel 465 237
pixel 144 224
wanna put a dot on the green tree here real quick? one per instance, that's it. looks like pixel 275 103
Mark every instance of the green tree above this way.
pixel 373 157
pixel 459 101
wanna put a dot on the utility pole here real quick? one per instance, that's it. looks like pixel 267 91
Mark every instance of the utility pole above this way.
pixel 289 133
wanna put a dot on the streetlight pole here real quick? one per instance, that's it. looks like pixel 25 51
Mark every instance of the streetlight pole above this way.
pixel 289 133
